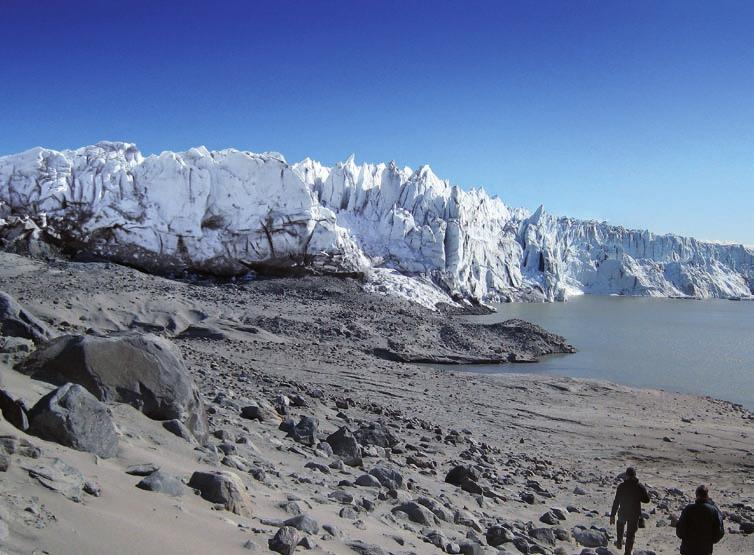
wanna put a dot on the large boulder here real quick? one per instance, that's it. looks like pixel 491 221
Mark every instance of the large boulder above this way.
pixel 71 416
pixel 144 371
pixel 15 321
pixel 224 488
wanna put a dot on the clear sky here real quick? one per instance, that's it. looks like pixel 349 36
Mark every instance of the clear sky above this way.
pixel 640 112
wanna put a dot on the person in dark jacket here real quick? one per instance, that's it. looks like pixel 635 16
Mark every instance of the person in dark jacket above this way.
pixel 700 526
pixel 627 505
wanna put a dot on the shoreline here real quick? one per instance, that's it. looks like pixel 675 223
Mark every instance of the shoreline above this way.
pixel 537 441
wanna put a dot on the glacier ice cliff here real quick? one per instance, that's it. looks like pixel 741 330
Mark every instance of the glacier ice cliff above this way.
pixel 409 232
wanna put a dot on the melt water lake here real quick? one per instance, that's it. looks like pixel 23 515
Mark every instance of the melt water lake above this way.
pixel 700 347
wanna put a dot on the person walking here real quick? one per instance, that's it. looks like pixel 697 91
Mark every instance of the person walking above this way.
pixel 627 505
pixel 701 525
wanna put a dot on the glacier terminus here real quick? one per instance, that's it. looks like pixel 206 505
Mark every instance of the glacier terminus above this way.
pixel 407 232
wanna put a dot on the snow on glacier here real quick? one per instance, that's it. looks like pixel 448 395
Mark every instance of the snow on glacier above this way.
pixel 409 232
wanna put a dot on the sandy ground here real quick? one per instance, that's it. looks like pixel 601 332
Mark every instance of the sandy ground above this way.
pixel 325 339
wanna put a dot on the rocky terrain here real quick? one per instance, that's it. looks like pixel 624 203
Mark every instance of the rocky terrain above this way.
pixel 149 415
pixel 229 212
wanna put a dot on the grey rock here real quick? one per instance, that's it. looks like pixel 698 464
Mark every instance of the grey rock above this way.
pixel 261 410
pixel 377 434
pixel 368 481
pixel 16 345
pixel 543 535
pixel 11 445
pixel 589 537
pixel 144 371
pixel 363 548
pixel 92 488
pixel 58 476
pixel 549 518
pixel 416 513
pixel 388 477
pixel 15 321
pixel 470 548
pixel 465 518
pixel 304 523
pixel 162 482
pixel 176 427
pixel 142 469
pixel 498 535
pixel 333 530
pixel 73 417
pixel 344 445
pixel 305 432
pixel 461 472
pixel 13 411
pixel 4 462
pixel 285 540
pixel 224 488
pixel 348 512
pixel 437 508
pixel 342 497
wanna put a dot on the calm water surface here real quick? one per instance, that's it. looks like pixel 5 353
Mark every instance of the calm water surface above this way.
pixel 700 347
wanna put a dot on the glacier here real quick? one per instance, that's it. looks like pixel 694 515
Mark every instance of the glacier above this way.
pixel 405 231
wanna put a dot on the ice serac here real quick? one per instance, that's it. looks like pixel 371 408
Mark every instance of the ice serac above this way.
pixel 220 212
pixel 408 232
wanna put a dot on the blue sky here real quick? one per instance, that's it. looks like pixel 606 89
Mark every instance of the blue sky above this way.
pixel 641 112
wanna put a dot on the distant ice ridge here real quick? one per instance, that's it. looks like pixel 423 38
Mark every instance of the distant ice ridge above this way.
pixel 409 232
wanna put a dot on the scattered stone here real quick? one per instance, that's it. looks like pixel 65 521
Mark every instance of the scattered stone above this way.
pixel 305 432
pixel 304 523
pixel 323 468
pixel 58 476
pixel 368 481
pixel 162 482
pixel 589 537
pixel 285 540
pixel 261 410
pixel 92 488
pixel 224 488
pixel 376 434
pixel 348 512
pixel 549 518
pixel 344 445
pixel 176 427
pixel 144 469
pixel 466 477
pixel 16 321
pixel 437 509
pixel 73 417
pixel 144 371
pixel 498 535
pixel 13 411
pixel 543 535
pixel 342 497
pixel 363 548
pixel 387 477
pixel 416 513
